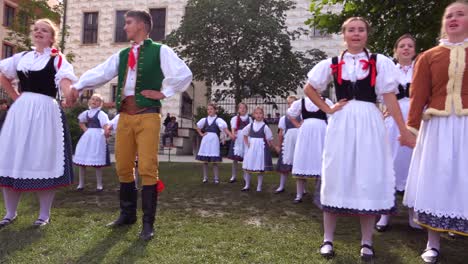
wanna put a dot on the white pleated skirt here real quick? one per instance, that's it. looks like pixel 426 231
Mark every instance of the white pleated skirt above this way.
pixel 91 149
pixel 401 154
pixel 357 170
pixel 309 148
pixel 289 145
pixel 438 175
pixel 32 139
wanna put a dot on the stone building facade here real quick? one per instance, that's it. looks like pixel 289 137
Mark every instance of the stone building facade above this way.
pixel 95 33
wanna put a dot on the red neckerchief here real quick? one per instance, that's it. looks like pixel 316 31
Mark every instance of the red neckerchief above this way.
pixel 132 59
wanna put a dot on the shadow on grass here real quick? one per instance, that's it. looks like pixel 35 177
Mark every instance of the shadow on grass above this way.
pixel 16 240
pixel 134 252
pixel 98 252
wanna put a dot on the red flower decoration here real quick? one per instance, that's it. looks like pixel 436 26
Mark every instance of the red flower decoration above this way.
pixel 54 52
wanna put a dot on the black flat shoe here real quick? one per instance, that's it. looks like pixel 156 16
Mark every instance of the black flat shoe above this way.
pixel 6 221
pixel 296 201
pixel 245 189
pixel 367 257
pixel 79 189
pixel 381 228
pixel 99 189
pixel 205 180
pixel 232 180
pixel 279 191
pixel 329 254
pixel 39 223
pixel 433 259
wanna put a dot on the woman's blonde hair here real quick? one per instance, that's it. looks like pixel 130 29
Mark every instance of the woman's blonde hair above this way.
pixel 98 96
pixel 215 107
pixel 291 98
pixel 351 19
pixel 53 29
pixel 443 34
pixel 397 42
pixel 260 109
pixel 244 104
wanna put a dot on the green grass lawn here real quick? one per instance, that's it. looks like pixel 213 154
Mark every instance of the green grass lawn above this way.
pixel 199 223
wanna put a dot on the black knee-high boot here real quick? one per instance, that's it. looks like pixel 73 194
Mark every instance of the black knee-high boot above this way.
pixel 149 203
pixel 128 204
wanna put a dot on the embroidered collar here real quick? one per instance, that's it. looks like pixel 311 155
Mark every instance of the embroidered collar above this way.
pixel 446 42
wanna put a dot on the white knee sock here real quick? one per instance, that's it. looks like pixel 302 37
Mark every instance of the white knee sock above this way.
pixel 259 182
pixel 81 176
pixel 433 241
pixel 45 201
pixel 304 188
pixel 299 188
pixel 411 219
pixel 234 170
pixel 11 199
pixel 383 221
pixel 216 172
pixel 329 225
pixel 247 178
pixel 99 178
pixel 205 171
pixel 367 230
pixel 283 177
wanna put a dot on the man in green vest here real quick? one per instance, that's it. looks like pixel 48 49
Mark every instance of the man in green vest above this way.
pixel 147 73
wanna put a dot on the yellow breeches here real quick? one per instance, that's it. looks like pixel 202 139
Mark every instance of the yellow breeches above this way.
pixel 138 135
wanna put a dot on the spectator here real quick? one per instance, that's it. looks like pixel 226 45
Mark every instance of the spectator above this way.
pixel 170 132
pixel 268 119
pixel 277 118
pixel 167 119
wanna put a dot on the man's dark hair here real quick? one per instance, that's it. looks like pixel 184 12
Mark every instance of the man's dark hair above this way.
pixel 3 101
pixel 142 16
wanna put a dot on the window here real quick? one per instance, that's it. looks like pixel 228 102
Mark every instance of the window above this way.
pixel 317 33
pixel 8 16
pixel 113 92
pixel 120 35
pixel 7 50
pixel 86 96
pixel 90 27
pixel 159 24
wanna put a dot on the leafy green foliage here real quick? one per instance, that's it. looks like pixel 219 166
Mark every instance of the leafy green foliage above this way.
pixel 27 12
pixel 240 44
pixel 73 124
pixel 389 20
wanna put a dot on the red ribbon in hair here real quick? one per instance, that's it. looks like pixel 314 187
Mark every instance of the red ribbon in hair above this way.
pixel 337 68
pixel 159 186
pixel 366 65
pixel 54 52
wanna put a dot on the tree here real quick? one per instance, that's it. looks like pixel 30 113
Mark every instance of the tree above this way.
pixel 240 44
pixel 27 12
pixel 389 20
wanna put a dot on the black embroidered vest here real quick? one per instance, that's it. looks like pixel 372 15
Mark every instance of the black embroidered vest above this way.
pixel 42 81
pixel 361 90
